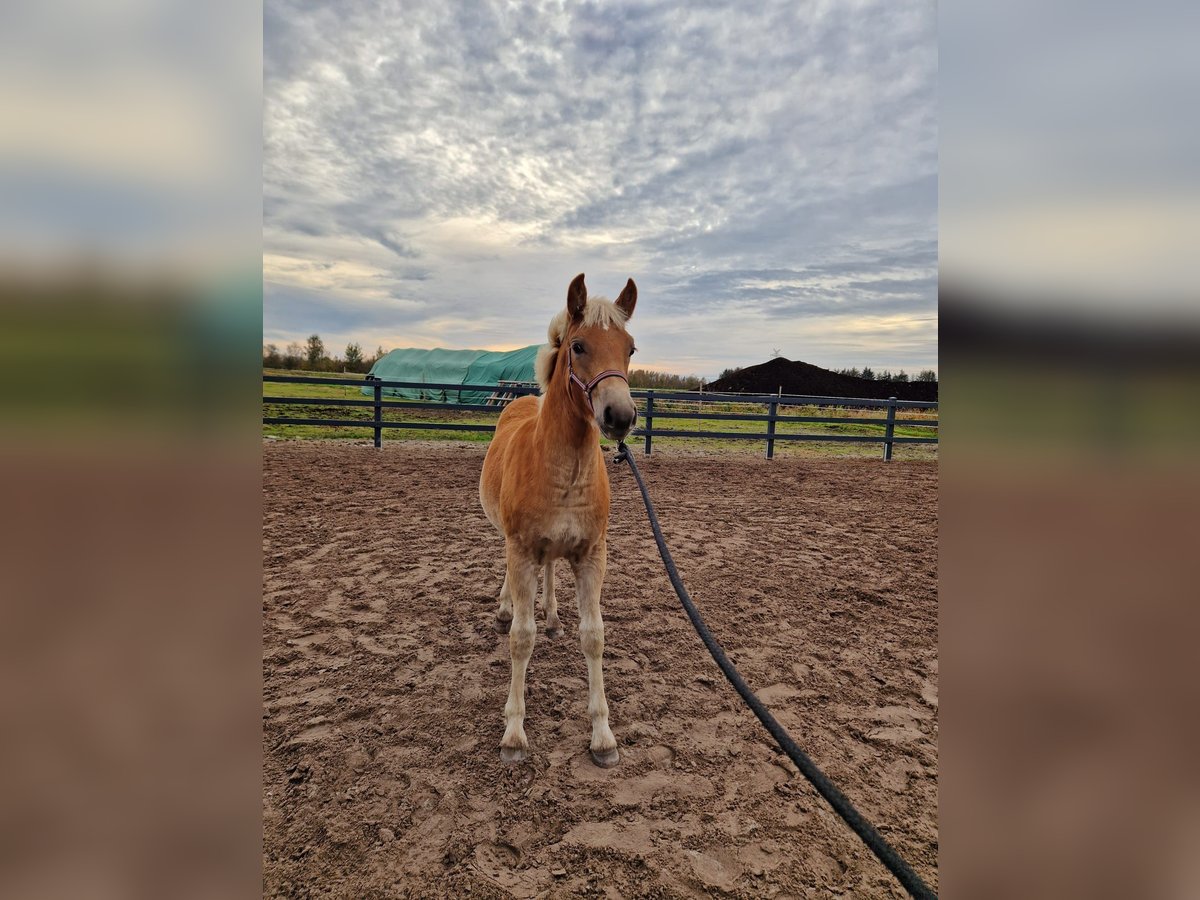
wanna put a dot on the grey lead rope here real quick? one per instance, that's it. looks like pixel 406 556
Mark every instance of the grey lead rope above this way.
pixel 826 788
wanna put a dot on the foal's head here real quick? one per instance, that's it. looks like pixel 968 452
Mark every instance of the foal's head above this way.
pixel 590 350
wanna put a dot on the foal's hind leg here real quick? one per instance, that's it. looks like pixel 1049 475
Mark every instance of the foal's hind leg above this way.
pixel 522 582
pixel 553 625
pixel 505 613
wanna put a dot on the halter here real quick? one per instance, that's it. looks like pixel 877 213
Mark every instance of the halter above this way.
pixel 591 385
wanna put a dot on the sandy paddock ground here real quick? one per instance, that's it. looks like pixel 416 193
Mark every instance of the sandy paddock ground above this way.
pixel 384 682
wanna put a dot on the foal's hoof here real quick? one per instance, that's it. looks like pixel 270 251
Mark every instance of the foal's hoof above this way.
pixel 513 755
pixel 503 625
pixel 553 633
pixel 605 759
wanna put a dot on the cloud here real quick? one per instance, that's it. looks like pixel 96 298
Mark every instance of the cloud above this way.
pixel 470 159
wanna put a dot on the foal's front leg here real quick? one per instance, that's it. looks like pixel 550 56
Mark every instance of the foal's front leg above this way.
pixel 589 577
pixel 522 589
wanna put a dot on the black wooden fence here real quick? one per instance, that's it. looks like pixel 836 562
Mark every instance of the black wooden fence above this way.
pixel 647 414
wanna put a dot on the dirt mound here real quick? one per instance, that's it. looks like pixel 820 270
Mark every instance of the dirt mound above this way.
pixel 797 377
pixel 384 683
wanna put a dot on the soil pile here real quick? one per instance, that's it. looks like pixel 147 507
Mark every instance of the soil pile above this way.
pixel 797 377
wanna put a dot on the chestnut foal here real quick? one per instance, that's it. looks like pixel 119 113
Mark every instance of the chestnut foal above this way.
pixel 545 488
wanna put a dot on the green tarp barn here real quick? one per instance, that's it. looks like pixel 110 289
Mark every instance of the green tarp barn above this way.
pixel 487 367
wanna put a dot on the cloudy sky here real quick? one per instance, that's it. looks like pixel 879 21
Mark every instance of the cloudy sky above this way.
pixel 435 174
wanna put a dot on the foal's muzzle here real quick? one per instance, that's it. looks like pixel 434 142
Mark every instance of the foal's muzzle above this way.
pixel 617 419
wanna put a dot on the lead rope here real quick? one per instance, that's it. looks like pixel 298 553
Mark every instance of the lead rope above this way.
pixel 826 788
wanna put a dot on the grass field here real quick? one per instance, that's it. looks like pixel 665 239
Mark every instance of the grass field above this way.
pixel 450 415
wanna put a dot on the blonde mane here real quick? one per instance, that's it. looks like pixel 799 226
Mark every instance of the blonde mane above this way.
pixel 599 312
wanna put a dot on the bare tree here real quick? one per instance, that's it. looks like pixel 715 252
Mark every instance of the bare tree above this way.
pixel 315 351
pixel 293 356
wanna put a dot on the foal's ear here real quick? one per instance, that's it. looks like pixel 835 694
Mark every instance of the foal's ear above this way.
pixel 577 298
pixel 628 299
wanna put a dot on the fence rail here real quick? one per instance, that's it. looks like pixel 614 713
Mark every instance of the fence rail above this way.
pixel 377 404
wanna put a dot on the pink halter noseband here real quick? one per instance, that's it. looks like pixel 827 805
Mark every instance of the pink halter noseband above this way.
pixel 588 387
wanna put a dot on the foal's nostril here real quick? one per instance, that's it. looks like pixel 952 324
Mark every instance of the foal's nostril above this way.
pixel 619 419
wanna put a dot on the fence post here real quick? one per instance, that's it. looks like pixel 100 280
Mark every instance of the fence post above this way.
pixel 890 430
pixel 771 430
pixel 378 413
pixel 649 420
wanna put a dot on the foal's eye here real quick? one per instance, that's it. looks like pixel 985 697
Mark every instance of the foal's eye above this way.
pixel 576 347
pixel 632 350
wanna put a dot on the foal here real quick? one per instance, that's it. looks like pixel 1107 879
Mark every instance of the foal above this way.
pixel 545 488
